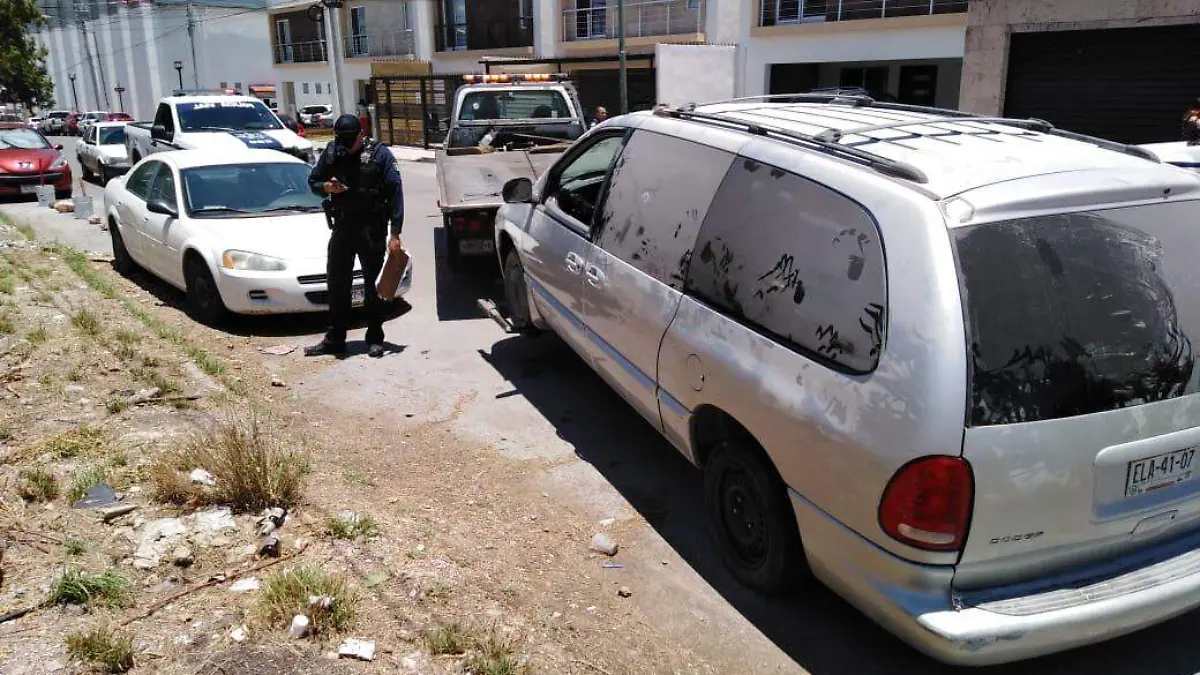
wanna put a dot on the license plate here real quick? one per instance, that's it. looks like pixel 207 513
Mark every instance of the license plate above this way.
pixel 29 189
pixel 358 296
pixel 1161 471
pixel 476 246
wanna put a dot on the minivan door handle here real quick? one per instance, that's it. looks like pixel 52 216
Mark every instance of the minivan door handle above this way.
pixel 574 262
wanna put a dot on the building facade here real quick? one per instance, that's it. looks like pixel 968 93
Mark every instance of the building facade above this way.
pixel 1112 68
pixel 97 47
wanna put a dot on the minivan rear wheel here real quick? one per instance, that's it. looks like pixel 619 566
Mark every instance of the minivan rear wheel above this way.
pixel 751 519
pixel 516 293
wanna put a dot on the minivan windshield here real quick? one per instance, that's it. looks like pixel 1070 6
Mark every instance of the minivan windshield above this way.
pixel 313 109
pixel 1081 313
pixel 226 115
pixel 239 190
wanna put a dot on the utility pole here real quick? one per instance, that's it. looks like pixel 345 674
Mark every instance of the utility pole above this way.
pixel 191 29
pixel 333 20
pixel 103 80
pixel 82 24
pixel 74 94
pixel 624 78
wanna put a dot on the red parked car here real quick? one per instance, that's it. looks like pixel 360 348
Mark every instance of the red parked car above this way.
pixel 118 117
pixel 27 160
pixel 72 124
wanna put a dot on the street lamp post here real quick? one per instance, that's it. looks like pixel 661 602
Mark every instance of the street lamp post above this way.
pixel 179 72
pixel 74 94
pixel 120 96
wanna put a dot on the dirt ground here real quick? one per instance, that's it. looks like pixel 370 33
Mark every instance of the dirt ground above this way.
pixel 489 551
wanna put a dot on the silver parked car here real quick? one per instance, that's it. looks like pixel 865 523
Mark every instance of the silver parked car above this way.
pixel 942 361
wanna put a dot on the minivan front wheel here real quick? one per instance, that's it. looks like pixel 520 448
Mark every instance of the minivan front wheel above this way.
pixel 751 518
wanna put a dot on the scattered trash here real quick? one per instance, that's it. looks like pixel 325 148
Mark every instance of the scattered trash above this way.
pixel 607 522
pixel 602 543
pixel 269 548
pixel 94 220
pixel 182 557
pixel 321 602
pixel 353 648
pixel 239 634
pixel 143 396
pixel 111 513
pixel 202 477
pixel 247 585
pixel 45 196
pixel 270 520
pixel 278 350
pixel 82 207
pixel 613 566
pixel 64 206
pixel 276 382
pixel 96 496
pixel 624 592
pixel 590 609
pixel 375 579
pixel 299 627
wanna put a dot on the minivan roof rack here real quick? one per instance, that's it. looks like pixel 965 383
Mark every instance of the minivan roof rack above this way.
pixel 879 163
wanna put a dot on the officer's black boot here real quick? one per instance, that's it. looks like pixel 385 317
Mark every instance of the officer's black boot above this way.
pixel 325 347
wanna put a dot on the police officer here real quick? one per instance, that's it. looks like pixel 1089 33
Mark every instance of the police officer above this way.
pixel 364 196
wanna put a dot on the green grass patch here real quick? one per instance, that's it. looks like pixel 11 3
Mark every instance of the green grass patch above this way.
pixel 103 648
pixel 447 639
pixel 493 655
pixel 24 228
pixel 285 594
pixel 77 587
pixel 80 441
pixel 75 547
pixel 87 323
pixel 360 525
pixel 85 478
pixel 7 285
pixel 116 404
pixel 358 478
pixel 127 337
pixel 37 485
pixel 38 335
pixel 6 325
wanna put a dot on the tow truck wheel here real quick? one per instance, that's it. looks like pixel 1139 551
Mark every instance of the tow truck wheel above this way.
pixel 517 294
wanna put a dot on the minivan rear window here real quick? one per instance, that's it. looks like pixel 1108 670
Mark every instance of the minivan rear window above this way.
pixel 1080 313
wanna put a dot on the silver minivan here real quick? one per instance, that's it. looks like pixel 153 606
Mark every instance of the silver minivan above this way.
pixel 943 362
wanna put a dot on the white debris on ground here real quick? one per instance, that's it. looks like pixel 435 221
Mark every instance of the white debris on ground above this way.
pixel 353 648
pixel 602 543
pixel 247 585
pixel 202 477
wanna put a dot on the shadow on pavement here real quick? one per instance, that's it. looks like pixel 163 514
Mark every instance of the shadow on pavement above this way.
pixel 265 325
pixel 816 628
pixel 458 293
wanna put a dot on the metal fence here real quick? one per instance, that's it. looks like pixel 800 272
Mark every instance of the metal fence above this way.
pixel 414 109
pixel 395 43
pixel 643 18
pixel 784 12
pixel 301 52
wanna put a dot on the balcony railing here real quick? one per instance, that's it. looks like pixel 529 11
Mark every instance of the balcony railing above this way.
pixel 645 18
pixel 456 37
pixel 301 52
pixel 785 12
pixel 397 43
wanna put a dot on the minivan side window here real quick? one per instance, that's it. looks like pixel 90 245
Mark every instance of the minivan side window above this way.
pixel 139 181
pixel 581 181
pixel 659 193
pixel 796 260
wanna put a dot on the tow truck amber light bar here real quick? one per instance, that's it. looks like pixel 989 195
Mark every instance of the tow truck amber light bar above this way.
pixel 506 78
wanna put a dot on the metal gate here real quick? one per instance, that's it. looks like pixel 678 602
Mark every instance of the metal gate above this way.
pixel 414 109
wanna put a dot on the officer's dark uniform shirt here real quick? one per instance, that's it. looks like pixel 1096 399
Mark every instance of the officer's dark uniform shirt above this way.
pixel 361 203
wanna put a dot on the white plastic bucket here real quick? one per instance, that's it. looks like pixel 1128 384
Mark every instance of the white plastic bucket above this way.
pixel 83 207
pixel 45 195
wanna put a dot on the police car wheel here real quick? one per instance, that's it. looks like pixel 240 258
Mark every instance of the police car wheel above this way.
pixel 204 299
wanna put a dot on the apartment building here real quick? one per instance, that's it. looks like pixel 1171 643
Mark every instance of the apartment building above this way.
pixel 122 54
pixel 901 50
pixel 1113 68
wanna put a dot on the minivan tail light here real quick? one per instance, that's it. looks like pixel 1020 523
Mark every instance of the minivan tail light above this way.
pixel 927 503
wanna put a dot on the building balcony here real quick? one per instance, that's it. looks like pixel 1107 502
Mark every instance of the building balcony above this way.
pixel 508 34
pixel 313 51
pixel 396 43
pixel 789 12
pixel 643 18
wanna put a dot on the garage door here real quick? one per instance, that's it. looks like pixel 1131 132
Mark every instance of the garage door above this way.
pixel 1127 84
pixel 603 88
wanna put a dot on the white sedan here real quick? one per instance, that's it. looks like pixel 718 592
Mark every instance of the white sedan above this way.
pixel 101 151
pixel 238 231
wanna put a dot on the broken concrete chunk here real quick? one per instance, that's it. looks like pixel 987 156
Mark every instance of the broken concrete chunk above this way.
pixel 353 648
pixel 111 513
pixel 182 556
pixel 247 585
pixel 624 592
pixel 239 634
pixel 602 543
pixel 202 477
pixel 156 539
pixel 299 627
pixel 216 519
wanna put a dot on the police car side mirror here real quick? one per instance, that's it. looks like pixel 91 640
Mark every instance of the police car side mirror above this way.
pixel 518 191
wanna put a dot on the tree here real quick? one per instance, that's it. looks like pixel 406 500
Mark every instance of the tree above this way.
pixel 23 76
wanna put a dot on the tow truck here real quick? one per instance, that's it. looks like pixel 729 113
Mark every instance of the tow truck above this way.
pixel 502 127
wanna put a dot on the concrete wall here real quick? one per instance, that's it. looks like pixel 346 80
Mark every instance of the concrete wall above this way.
pixel 900 39
pixel 991 22
pixel 694 73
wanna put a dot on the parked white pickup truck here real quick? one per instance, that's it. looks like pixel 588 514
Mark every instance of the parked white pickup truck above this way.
pixel 213 122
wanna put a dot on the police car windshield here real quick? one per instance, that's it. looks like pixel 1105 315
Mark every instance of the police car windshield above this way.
pixel 241 190
pixel 218 115
pixel 548 104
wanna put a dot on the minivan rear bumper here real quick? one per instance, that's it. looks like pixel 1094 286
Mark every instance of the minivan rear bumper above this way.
pixel 917 603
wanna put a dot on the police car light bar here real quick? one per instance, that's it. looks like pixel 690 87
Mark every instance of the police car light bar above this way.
pixel 204 92
pixel 506 78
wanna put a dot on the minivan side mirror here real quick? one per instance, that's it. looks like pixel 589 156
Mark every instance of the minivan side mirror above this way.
pixel 158 132
pixel 162 207
pixel 58 147
pixel 518 191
